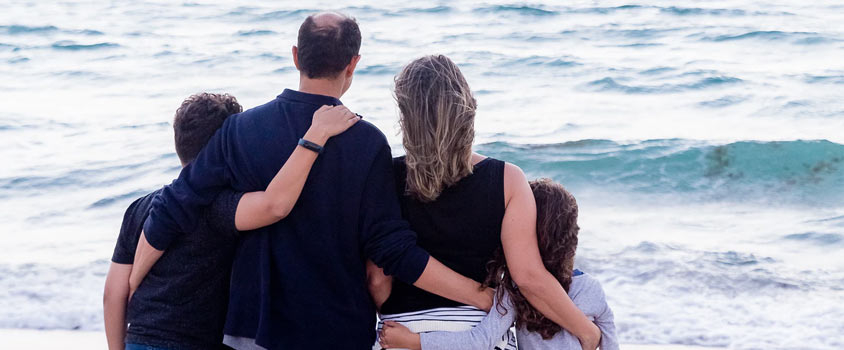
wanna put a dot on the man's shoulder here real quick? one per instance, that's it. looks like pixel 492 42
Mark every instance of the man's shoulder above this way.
pixel 363 135
pixel 365 127
pixel 257 111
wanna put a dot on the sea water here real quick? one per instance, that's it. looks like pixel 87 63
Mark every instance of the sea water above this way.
pixel 703 140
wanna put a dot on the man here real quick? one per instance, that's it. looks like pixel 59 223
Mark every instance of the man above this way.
pixel 182 304
pixel 293 280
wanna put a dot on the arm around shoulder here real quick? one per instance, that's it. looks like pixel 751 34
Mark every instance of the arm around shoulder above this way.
pixel 263 208
pixel 178 207
pixel 524 262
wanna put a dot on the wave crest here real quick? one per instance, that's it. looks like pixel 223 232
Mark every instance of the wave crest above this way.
pixel 794 171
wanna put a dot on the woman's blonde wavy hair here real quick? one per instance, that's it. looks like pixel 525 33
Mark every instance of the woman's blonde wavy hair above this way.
pixel 437 118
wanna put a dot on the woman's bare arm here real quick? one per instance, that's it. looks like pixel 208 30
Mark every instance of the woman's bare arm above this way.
pixel 438 279
pixel 443 281
pixel 263 208
pixel 521 250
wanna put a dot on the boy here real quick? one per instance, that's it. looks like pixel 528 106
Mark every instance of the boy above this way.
pixel 182 302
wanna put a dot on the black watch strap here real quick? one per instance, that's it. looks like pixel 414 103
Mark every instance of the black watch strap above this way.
pixel 311 146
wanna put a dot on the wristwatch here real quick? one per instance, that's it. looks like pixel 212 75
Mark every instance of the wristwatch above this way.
pixel 310 145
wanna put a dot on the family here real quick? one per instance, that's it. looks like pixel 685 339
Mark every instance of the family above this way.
pixel 291 226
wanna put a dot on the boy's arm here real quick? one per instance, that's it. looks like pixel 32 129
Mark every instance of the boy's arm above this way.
pixel 390 244
pixel 115 298
pixel 116 290
pixel 380 285
pixel 263 208
pixel 145 257
pixel 483 336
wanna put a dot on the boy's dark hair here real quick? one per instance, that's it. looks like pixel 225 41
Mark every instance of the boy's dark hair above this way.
pixel 198 118
pixel 556 232
pixel 324 51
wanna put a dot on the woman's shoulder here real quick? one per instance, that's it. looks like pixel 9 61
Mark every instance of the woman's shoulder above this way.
pixel 513 172
pixel 515 181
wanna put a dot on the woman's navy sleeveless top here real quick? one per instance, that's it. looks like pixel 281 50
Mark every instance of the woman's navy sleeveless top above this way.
pixel 461 229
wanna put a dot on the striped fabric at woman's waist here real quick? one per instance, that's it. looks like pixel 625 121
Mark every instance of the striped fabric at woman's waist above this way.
pixel 449 319
pixel 454 315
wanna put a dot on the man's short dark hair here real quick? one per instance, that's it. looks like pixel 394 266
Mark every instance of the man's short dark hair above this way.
pixel 198 118
pixel 324 51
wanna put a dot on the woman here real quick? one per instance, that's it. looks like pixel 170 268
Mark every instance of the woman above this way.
pixel 463 206
pixel 557 231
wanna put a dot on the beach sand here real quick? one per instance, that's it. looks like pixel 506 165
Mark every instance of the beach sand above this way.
pixel 31 339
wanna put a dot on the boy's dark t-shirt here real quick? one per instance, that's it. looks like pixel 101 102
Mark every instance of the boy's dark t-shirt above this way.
pixel 181 304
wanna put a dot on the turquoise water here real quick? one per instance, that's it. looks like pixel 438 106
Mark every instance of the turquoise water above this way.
pixel 703 140
pixel 805 173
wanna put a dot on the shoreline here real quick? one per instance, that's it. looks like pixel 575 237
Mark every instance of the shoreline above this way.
pixel 34 339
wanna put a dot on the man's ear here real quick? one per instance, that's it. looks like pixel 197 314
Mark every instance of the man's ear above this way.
pixel 296 57
pixel 350 69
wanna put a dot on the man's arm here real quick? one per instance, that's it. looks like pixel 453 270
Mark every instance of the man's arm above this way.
pixel 380 285
pixel 390 244
pixel 115 298
pixel 220 219
pixel 177 208
pixel 521 250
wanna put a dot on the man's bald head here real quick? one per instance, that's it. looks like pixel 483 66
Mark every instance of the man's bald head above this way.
pixel 324 19
pixel 328 41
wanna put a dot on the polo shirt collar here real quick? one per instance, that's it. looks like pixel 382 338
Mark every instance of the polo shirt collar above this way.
pixel 313 99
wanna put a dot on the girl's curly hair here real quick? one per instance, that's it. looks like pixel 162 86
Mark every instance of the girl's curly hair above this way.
pixel 556 230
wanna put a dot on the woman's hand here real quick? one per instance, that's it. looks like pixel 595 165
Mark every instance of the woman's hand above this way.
pixel 395 335
pixel 329 121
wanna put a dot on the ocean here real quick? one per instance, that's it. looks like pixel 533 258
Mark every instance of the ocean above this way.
pixel 704 140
